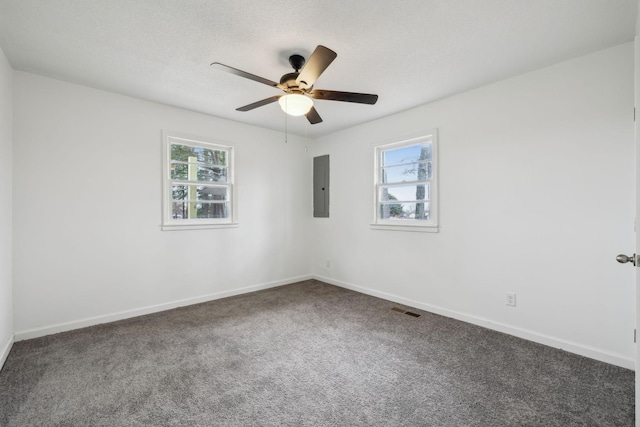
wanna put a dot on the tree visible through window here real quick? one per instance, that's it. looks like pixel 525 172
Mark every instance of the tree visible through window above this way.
pixel 405 183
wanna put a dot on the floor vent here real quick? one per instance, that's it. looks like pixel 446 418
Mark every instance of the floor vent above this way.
pixel 410 313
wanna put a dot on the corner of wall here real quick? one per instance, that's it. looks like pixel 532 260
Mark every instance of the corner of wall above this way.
pixel 6 214
pixel 4 353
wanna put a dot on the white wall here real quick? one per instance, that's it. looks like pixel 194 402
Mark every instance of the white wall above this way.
pixel 87 197
pixel 536 198
pixel 6 295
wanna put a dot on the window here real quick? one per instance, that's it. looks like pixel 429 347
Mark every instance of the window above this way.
pixel 198 184
pixel 405 185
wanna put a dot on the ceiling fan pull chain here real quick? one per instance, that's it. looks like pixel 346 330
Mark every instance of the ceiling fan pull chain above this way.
pixel 286 129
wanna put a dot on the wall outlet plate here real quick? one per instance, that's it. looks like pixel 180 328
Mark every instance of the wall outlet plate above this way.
pixel 511 299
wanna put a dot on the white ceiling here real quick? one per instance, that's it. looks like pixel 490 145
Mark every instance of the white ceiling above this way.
pixel 409 52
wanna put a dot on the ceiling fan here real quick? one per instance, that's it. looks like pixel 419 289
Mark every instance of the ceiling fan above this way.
pixel 298 86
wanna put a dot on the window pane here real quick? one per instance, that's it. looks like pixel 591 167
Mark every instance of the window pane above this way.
pixel 198 210
pixel 203 155
pixel 180 171
pixel 212 174
pixel 405 193
pixel 199 193
pixel 406 173
pixel 405 211
pixel 409 154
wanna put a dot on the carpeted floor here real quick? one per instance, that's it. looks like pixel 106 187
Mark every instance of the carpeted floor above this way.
pixel 307 354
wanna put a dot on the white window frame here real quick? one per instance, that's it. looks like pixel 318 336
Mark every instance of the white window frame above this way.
pixel 168 222
pixel 430 225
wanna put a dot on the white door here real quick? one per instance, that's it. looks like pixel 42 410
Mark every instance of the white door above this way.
pixel 637 127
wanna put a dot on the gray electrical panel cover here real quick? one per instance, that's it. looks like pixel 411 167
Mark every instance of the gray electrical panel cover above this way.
pixel 321 186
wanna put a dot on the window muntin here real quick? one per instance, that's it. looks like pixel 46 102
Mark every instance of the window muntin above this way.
pixel 198 183
pixel 405 190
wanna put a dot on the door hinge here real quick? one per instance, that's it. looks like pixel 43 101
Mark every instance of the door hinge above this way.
pixel 634 334
pixel 634 114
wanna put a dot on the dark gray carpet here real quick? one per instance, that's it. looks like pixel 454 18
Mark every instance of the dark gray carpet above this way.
pixel 307 354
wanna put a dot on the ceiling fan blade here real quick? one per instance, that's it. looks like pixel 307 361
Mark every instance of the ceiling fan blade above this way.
pixel 317 63
pixel 332 95
pixel 259 103
pixel 313 116
pixel 244 74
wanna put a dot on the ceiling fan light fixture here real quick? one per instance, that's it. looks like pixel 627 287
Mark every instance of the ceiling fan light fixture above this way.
pixel 295 104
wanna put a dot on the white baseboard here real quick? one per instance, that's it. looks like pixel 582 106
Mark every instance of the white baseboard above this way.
pixel 582 350
pixel 126 314
pixel 593 353
pixel 4 353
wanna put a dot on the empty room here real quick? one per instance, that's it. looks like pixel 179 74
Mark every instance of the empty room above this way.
pixel 318 213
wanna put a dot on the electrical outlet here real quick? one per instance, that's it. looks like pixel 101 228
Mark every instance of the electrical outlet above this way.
pixel 327 264
pixel 511 299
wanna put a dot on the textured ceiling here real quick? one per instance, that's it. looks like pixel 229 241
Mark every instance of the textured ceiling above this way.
pixel 409 52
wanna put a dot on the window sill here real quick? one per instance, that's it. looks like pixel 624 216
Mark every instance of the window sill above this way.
pixel 406 227
pixel 181 227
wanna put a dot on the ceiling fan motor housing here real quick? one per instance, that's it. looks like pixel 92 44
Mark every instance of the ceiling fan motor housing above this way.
pixel 289 81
